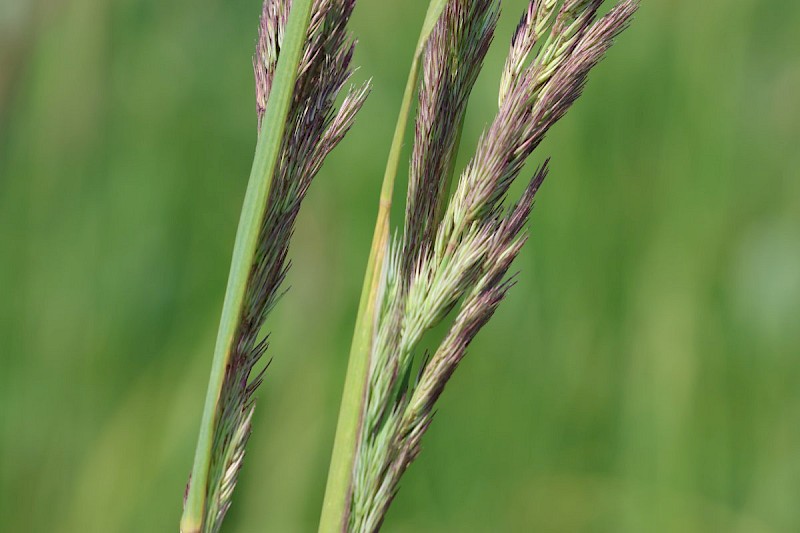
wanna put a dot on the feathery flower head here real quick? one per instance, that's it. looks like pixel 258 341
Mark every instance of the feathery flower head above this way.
pixel 314 127
pixel 460 249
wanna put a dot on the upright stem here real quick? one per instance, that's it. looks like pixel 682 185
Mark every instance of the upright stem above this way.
pixel 255 200
pixel 337 492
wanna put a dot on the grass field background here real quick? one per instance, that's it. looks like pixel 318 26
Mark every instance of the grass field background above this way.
pixel 643 376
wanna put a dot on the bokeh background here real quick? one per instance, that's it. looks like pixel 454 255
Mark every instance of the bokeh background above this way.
pixel 643 376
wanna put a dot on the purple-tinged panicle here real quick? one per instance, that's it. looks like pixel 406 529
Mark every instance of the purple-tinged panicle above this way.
pixel 463 253
pixel 525 116
pixel 314 127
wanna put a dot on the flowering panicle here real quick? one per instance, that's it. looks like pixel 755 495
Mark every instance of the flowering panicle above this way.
pixel 457 252
pixel 314 127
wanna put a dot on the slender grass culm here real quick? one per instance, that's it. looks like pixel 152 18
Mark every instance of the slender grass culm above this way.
pixel 301 63
pixel 455 250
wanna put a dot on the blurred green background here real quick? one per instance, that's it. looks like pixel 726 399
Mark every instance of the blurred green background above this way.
pixel 643 376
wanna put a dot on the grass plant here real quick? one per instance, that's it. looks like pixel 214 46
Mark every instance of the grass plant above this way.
pixel 449 263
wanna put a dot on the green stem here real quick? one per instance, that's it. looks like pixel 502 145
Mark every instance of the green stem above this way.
pixel 255 200
pixel 337 492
